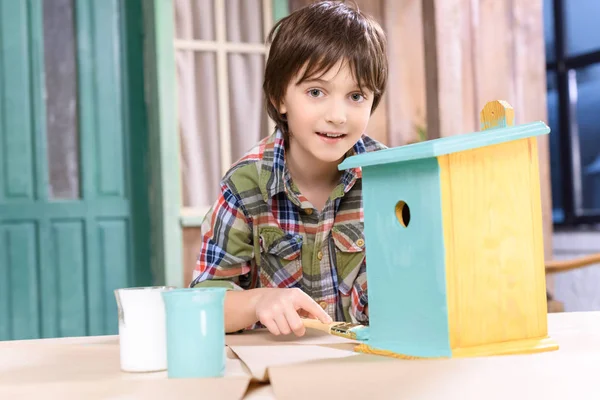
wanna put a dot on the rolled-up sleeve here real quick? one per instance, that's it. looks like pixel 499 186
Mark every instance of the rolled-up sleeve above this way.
pixel 226 256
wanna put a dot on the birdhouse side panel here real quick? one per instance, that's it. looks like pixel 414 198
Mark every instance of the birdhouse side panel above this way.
pixel 494 255
pixel 405 258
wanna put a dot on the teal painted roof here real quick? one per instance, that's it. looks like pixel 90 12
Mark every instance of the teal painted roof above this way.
pixel 446 145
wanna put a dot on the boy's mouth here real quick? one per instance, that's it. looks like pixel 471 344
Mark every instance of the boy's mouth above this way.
pixel 331 135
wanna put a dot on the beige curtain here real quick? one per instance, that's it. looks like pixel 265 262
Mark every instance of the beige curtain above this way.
pixel 247 109
pixel 198 93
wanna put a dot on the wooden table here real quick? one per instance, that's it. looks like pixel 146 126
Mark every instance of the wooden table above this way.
pixel 262 366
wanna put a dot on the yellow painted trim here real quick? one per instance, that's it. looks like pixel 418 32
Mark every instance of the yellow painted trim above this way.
pixel 514 347
pixel 525 346
pixel 366 349
pixel 538 233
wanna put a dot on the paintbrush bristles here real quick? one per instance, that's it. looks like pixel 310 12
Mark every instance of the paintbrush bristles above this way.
pixel 345 329
pixel 341 329
pixel 364 348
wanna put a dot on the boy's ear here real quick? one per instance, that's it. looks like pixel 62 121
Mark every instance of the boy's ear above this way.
pixel 281 108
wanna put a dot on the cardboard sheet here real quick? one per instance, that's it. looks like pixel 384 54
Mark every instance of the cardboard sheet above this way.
pixel 568 377
pixel 260 358
pixel 114 389
pixel 88 369
pixel 569 373
pixel 259 350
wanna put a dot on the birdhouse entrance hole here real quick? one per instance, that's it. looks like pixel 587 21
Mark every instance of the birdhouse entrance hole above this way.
pixel 403 213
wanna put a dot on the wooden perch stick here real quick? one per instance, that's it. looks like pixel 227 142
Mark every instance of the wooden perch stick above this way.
pixel 567 265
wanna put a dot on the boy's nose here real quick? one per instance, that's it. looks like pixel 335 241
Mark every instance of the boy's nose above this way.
pixel 336 114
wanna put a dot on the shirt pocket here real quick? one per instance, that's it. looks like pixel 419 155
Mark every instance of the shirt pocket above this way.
pixel 349 244
pixel 280 258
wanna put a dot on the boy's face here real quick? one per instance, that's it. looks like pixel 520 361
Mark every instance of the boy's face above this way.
pixel 326 115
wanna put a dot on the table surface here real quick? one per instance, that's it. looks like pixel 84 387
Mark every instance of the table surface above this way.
pixel 262 366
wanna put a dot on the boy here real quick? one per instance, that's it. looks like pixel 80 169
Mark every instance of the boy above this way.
pixel 286 233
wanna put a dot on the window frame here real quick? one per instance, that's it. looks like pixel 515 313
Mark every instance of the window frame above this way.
pixel 271 10
pixel 565 69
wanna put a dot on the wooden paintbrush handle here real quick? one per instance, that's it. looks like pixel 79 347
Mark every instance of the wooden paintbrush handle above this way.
pixel 318 325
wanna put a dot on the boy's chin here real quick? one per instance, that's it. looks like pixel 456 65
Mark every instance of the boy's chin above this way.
pixel 330 156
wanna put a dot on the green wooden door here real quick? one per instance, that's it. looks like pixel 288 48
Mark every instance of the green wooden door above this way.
pixel 71 165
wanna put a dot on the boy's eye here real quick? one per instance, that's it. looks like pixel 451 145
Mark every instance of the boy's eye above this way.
pixel 314 92
pixel 358 97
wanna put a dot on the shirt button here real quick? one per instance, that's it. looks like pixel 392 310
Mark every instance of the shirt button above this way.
pixel 320 255
pixel 308 211
pixel 360 243
pixel 323 304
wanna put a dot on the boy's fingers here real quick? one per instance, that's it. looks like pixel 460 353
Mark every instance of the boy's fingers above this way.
pixel 271 326
pixel 294 321
pixel 282 323
pixel 312 307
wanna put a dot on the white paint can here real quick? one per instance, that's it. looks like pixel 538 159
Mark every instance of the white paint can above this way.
pixel 142 330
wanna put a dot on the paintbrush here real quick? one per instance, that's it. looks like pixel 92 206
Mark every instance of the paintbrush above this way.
pixel 342 329
pixel 355 332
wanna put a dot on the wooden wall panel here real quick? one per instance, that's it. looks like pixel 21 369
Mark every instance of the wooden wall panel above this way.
pixel 481 50
pixel 442 25
pixel 406 87
pixel 191 246
pixel 470 103
pixel 530 86
pixel 378 125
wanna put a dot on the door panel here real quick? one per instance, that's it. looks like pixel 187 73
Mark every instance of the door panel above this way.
pixel 114 254
pixel 67 251
pixel 68 236
pixel 20 301
pixel 102 77
pixel 16 150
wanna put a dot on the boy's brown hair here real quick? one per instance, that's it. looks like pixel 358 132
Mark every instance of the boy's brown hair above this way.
pixel 318 36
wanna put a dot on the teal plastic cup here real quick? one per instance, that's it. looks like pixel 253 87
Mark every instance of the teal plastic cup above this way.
pixel 195 325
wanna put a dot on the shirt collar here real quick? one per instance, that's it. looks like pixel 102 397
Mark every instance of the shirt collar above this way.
pixel 274 175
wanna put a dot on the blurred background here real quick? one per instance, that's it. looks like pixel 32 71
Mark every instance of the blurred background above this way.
pixel 119 117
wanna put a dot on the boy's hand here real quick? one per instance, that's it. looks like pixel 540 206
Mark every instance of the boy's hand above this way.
pixel 279 311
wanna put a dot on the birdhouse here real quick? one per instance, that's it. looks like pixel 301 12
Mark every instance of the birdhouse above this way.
pixel 454 246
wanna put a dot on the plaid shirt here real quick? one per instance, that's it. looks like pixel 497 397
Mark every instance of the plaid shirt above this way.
pixel 261 232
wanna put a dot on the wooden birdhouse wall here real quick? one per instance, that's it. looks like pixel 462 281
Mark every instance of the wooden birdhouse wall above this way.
pixel 408 306
pixel 493 244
